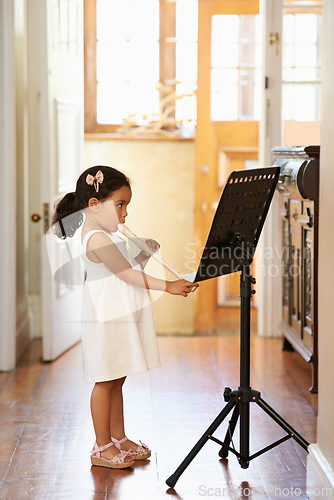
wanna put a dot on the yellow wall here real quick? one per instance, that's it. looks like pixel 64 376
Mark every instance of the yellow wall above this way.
pixel 162 207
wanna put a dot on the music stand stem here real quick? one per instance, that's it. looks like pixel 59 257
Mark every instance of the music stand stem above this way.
pixel 241 398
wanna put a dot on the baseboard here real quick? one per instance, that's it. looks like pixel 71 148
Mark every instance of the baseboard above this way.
pixel 320 475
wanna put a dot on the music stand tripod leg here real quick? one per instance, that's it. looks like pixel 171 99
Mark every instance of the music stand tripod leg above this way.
pixel 223 452
pixel 171 481
pixel 283 423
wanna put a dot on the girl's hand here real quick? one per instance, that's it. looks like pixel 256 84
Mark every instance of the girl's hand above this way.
pixel 180 287
pixel 153 246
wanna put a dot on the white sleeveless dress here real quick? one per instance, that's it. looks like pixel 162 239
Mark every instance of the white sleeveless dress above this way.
pixel 118 332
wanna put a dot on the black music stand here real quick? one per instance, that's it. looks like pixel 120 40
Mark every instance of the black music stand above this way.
pixel 230 247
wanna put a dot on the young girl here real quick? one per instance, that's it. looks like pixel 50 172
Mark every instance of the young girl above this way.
pixel 118 331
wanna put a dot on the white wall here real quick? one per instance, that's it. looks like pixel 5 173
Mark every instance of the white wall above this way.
pixel 162 207
pixel 321 460
pixel 326 236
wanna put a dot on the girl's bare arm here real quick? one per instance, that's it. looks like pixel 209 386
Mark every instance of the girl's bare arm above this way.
pixel 107 252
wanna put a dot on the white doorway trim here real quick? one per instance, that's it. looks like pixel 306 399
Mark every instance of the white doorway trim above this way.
pixel 268 269
pixel 7 188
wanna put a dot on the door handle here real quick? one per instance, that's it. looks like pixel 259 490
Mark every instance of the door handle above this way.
pixel 274 40
pixel 36 217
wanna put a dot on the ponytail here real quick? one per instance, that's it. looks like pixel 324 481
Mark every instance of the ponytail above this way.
pixel 67 217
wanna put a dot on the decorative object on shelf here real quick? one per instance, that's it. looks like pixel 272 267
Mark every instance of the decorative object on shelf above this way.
pixel 163 123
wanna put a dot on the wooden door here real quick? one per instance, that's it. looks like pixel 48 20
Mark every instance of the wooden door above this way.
pixel 225 141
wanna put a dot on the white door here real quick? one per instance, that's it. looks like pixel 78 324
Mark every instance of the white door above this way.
pixel 61 94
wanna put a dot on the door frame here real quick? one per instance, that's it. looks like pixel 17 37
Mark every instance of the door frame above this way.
pixel 8 187
pixel 210 137
pixel 269 285
pixel 270 135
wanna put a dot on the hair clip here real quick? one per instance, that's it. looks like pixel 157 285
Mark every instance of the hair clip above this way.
pixel 95 180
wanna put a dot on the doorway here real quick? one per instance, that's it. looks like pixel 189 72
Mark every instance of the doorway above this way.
pixel 228 99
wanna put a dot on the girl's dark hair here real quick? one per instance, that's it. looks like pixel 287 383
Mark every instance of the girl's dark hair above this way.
pixel 68 215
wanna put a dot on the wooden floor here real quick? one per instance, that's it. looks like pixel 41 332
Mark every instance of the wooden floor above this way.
pixel 46 430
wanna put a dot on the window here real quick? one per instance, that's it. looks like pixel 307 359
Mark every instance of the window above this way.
pixel 141 66
pixel 127 60
pixel 301 71
pixel 235 67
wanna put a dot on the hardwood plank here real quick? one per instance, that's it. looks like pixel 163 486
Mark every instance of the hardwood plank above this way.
pixel 47 433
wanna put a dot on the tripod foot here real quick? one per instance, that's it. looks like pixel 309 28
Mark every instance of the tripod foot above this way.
pixel 223 453
pixel 172 480
pixel 244 464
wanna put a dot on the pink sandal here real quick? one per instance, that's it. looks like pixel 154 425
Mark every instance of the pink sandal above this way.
pixel 118 462
pixel 141 452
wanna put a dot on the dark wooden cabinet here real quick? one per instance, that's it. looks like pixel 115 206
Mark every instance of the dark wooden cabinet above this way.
pixel 299 201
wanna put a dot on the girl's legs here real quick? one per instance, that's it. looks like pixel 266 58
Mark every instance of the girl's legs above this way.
pixel 117 417
pixel 101 398
pixel 116 410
